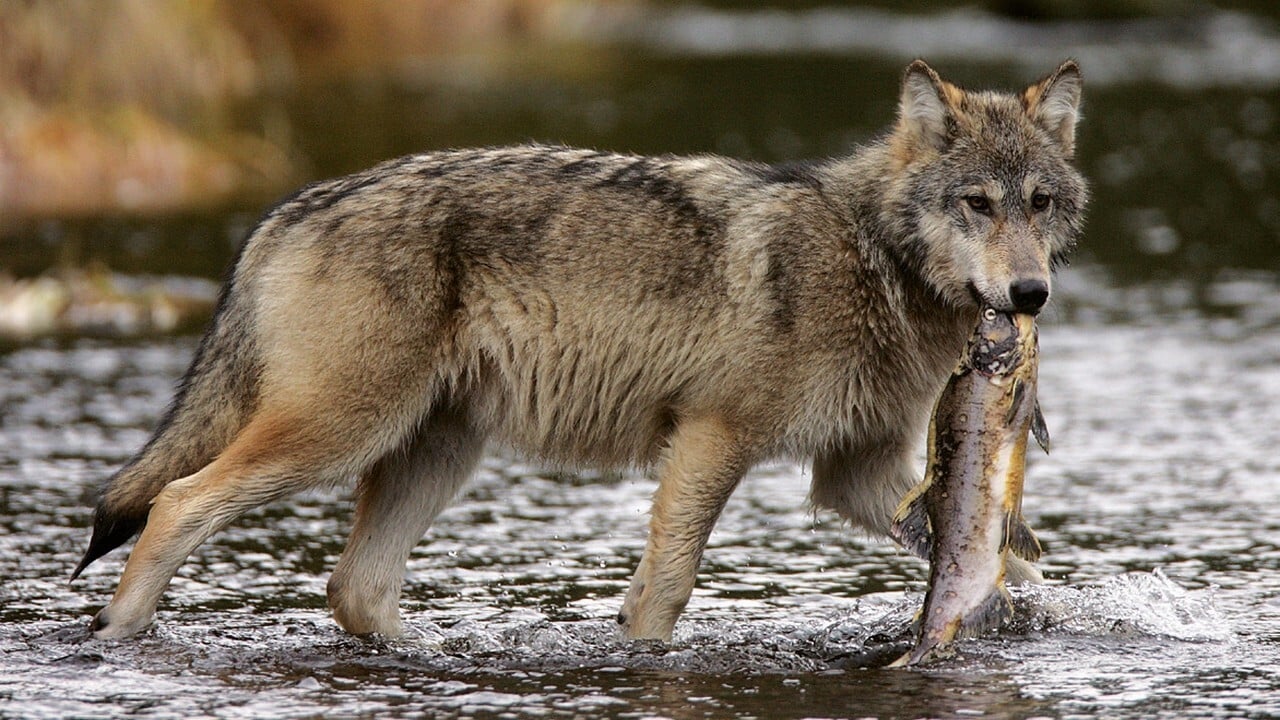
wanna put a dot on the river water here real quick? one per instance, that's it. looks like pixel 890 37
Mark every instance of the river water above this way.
pixel 1159 506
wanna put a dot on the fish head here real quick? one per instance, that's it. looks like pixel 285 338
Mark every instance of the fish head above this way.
pixel 1001 343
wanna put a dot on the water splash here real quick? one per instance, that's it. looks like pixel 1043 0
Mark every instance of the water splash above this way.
pixel 1132 604
pixel 852 636
pixel 865 633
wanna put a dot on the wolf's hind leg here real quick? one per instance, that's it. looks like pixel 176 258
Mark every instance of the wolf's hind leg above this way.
pixel 702 467
pixel 399 498
pixel 278 453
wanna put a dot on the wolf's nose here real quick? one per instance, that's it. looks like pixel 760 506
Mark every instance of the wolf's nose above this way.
pixel 1028 296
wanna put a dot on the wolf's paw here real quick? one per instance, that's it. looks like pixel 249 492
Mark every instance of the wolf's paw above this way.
pixel 365 608
pixel 109 624
pixel 643 619
pixel 362 622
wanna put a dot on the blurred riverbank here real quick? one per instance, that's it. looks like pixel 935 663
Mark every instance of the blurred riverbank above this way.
pixel 133 106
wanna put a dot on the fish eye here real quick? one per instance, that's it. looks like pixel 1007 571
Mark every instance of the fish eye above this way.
pixel 979 204
pixel 1040 201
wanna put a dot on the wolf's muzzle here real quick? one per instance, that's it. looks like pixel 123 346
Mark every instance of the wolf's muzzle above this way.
pixel 1028 296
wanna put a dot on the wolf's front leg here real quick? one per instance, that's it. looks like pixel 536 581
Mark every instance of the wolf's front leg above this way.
pixel 703 465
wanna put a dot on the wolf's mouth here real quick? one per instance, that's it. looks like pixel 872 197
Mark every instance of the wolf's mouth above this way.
pixel 978 299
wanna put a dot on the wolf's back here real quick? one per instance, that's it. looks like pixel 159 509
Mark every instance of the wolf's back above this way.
pixel 213 401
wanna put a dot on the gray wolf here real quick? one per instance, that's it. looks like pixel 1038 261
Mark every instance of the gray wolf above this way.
pixel 695 315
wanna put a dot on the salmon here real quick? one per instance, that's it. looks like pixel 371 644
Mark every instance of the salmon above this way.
pixel 966 516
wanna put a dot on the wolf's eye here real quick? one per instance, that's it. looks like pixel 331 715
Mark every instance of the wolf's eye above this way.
pixel 1039 201
pixel 979 204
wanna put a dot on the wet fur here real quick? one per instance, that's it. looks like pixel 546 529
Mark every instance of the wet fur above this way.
pixel 697 315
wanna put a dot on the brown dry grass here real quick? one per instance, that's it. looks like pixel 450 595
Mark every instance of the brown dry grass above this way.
pixel 127 105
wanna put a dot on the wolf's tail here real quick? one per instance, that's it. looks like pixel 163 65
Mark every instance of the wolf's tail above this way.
pixel 212 404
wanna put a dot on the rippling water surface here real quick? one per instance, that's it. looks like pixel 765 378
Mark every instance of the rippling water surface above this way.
pixel 1159 508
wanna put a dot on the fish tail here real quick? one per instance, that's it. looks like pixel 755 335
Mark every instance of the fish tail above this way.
pixel 903 661
pixel 929 646
pixel 990 614
pixel 920 653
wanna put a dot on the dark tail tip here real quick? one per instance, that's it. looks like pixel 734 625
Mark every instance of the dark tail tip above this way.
pixel 109 532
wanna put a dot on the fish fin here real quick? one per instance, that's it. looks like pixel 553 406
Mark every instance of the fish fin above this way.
pixel 1020 539
pixel 911 526
pixel 925 651
pixel 1039 429
pixel 990 614
pixel 929 646
pixel 917 620
pixel 1019 391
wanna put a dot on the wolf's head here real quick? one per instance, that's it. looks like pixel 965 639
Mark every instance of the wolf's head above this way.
pixel 983 193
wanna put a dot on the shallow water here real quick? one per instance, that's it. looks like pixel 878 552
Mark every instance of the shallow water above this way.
pixel 1159 507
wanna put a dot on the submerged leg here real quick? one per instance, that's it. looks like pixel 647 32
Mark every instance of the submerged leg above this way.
pixel 703 465
pixel 399 498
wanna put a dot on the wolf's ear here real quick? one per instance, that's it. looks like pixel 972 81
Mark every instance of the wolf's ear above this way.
pixel 1054 104
pixel 926 106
